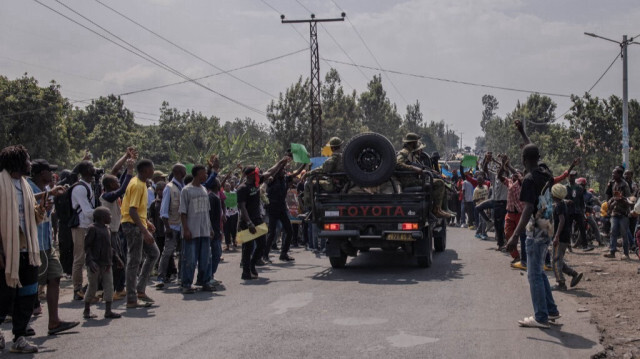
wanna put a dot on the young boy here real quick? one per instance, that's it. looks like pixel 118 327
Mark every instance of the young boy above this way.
pixel 99 259
pixel 561 239
pixel 480 194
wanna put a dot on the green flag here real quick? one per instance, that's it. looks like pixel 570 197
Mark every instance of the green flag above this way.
pixel 232 200
pixel 469 161
pixel 300 154
pixel 189 167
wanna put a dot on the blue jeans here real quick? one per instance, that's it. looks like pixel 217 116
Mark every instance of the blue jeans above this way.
pixel 541 297
pixel 523 249
pixel 216 253
pixel 196 251
pixel 620 227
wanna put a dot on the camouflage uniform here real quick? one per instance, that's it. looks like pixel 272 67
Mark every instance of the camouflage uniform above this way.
pixel 333 164
pixel 404 161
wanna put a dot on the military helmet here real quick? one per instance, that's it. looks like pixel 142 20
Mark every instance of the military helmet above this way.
pixel 335 142
pixel 411 137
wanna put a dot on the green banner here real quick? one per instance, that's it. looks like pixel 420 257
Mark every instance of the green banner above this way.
pixel 232 200
pixel 300 154
pixel 469 161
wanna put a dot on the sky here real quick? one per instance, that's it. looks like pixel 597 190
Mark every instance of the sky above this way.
pixel 531 45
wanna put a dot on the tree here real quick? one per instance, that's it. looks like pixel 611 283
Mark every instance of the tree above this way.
pixel 110 127
pixel 378 113
pixel 290 116
pixel 490 104
pixel 413 120
pixel 341 115
pixel 36 117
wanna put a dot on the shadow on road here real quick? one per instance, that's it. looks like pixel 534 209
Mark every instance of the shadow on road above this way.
pixel 567 340
pixel 377 267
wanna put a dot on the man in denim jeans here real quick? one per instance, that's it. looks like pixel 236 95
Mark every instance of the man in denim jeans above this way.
pixel 617 193
pixel 196 232
pixel 538 237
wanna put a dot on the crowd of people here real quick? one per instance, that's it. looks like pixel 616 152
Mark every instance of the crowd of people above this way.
pixel 118 232
pixel 546 216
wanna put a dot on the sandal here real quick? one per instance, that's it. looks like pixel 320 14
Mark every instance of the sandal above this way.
pixel 145 298
pixel 531 322
pixel 62 327
pixel 139 304
pixel 89 316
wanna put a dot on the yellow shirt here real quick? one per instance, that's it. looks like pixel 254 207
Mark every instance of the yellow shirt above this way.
pixel 135 196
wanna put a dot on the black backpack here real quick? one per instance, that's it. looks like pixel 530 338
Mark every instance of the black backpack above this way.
pixel 67 215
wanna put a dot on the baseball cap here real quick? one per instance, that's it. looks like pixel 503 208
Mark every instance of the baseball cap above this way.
pixel 40 165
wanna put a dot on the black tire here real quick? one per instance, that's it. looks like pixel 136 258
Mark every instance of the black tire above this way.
pixel 369 159
pixel 338 262
pixel 575 235
pixel 426 261
pixel 594 234
pixel 440 239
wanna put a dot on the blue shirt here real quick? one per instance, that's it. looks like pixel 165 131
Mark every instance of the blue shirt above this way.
pixel 44 228
pixel 166 200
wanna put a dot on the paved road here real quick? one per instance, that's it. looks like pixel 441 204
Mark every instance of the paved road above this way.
pixel 380 306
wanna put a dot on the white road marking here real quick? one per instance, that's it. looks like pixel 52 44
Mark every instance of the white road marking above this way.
pixel 359 321
pixel 292 301
pixel 404 340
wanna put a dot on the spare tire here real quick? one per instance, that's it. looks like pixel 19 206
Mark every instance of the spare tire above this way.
pixel 369 159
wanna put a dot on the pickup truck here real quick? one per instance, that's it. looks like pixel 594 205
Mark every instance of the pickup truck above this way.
pixel 356 221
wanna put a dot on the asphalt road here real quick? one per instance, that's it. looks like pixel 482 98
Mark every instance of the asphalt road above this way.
pixel 381 306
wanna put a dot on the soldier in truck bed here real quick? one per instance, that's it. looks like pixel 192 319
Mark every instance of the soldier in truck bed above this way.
pixel 333 164
pixel 406 160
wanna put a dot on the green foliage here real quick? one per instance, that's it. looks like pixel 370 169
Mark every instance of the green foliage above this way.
pixel 378 113
pixel 35 117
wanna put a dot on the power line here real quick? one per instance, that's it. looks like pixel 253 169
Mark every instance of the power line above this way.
pixel 449 80
pixel 212 75
pixel 72 101
pixel 334 40
pixel 149 58
pixel 305 40
pixel 372 55
pixel 594 85
pixel 182 48
pixel 605 71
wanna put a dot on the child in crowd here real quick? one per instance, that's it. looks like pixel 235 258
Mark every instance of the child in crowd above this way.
pixel 99 259
pixel 561 239
pixel 480 194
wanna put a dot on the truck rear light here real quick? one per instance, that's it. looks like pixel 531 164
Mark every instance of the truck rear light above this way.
pixel 408 226
pixel 332 227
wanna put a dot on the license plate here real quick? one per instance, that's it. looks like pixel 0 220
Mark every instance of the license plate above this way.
pixel 406 237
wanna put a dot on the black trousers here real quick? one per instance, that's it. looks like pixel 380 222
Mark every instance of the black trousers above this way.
pixel 499 213
pixel 19 302
pixel 281 215
pixel 252 251
pixel 66 247
pixel 231 229
pixel 578 219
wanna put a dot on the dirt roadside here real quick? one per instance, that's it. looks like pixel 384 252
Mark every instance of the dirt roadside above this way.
pixel 609 291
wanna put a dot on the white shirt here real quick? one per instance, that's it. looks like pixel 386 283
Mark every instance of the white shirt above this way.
pixel 79 199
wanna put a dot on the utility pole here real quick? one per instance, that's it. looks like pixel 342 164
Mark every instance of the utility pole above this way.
pixel 625 105
pixel 316 106
pixel 625 94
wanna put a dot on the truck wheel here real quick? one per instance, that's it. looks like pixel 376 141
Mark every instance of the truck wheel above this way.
pixel 369 159
pixel 338 262
pixel 440 239
pixel 426 261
